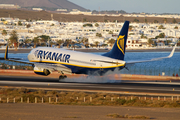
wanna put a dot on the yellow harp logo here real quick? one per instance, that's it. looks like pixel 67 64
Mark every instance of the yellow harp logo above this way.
pixel 120 43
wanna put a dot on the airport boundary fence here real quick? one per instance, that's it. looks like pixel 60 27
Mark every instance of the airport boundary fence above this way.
pixel 89 100
pixel 133 69
pixel 152 70
pixel 23 95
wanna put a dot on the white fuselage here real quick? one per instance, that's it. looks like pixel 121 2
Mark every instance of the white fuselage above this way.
pixel 72 58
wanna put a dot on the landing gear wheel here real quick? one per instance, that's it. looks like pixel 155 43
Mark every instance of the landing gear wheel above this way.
pixel 61 77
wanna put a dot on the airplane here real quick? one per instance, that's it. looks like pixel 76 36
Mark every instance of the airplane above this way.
pixel 45 60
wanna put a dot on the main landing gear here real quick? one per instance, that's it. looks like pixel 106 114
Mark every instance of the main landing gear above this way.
pixel 62 76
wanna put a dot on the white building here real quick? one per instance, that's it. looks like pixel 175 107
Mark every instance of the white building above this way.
pixel 76 11
pixel 92 40
pixel 37 9
pixel 47 22
pixel 76 31
pixel 61 10
pixel 9 6
pixel 3 41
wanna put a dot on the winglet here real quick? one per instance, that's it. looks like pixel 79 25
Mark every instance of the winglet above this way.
pixel 6 53
pixel 172 52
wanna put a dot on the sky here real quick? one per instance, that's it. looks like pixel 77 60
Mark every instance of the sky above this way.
pixel 130 6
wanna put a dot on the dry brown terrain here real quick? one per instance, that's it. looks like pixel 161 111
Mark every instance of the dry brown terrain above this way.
pixel 35 15
pixel 32 111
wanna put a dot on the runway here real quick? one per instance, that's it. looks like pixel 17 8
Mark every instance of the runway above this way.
pixel 121 87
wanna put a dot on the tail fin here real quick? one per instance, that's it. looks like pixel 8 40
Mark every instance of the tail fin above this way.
pixel 118 50
pixel 6 53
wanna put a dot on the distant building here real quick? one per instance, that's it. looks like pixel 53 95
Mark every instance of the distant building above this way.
pixel 37 9
pixel 132 43
pixel 9 6
pixel 47 22
pixel 76 11
pixel 92 40
pixel 2 42
pixel 61 10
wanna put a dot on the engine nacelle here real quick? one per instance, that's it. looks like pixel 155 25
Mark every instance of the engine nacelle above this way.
pixel 41 71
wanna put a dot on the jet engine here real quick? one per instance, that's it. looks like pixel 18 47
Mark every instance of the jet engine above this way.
pixel 41 71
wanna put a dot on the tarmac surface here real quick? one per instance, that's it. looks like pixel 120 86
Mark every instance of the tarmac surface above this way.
pixel 32 111
pixel 79 84
pixel 38 111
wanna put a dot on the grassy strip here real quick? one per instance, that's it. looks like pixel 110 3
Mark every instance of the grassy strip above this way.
pixel 127 116
pixel 80 98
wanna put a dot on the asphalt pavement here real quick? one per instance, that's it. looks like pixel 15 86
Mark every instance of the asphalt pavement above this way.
pixel 111 86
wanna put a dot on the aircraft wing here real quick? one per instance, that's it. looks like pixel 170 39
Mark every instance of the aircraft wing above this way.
pixel 16 60
pixel 19 60
pixel 153 59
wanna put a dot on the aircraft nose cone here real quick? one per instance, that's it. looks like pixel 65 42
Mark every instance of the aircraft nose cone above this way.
pixel 30 57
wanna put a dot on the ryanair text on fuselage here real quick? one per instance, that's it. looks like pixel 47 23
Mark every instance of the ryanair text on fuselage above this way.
pixel 52 56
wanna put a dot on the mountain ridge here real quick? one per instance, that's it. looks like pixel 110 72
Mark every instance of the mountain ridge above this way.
pixel 61 4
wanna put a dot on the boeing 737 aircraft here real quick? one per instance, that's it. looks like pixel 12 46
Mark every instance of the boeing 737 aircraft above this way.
pixel 46 59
